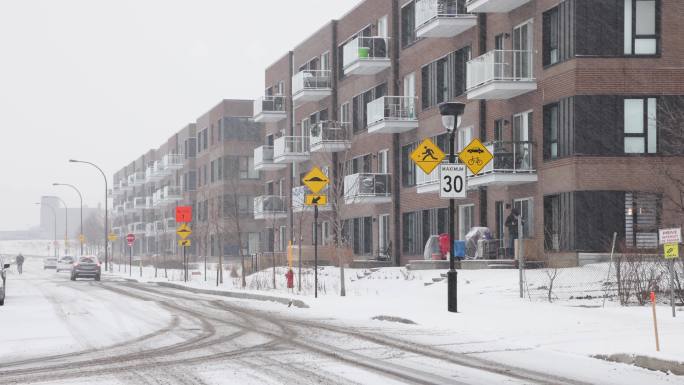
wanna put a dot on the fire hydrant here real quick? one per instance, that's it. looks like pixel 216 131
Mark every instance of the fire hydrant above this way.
pixel 290 279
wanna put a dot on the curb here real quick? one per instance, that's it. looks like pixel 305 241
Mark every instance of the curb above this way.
pixel 258 297
pixel 645 362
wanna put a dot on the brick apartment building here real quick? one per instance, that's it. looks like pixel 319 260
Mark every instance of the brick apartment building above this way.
pixel 567 95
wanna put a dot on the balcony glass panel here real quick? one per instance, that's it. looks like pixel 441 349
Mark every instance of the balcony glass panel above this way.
pixel 365 49
pixel 311 80
pixel 392 108
pixel 427 10
pixel 500 65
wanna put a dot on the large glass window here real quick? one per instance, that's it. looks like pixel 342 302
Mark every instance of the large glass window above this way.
pixel 526 208
pixel 640 126
pixel 408 24
pixel 247 171
pixel 641 27
pixel 551 37
pixel 642 220
pixel 466 215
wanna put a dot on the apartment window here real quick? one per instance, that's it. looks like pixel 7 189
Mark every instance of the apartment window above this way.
pixel 325 233
pixel 641 130
pixel 526 208
pixel 190 148
pixel 325 61
pixel 522 126
pixel 282 235
pixel 360 104
pixel 551 124
pixel 410 234
pixel 204 139
pixel 190 181
pixel 382 27
pixel 445 78
pixel 245 204
pixel 246 168
pixel 410 84
pixel 551 30
pixel 212 172
pixel 642 220
pixel 383 234
pixel 408 24
pixel 408 168
pixel 362 235
pixel 642 29
pixel 253 240
pixel 199 142
pixel 382 161
pixel 211 134
pixel 498 130
pixel 523 43
pixel 464 136
pixel 344 113
pixel 466 215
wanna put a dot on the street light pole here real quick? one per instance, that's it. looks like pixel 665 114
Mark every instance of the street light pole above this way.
pixel 451 119
pixel 66 225
pixel 80 196
pixel 54 215
pixel 106 221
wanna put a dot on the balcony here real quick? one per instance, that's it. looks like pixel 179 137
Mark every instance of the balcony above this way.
pixel 118 210
pixel 269 109
pixel 150 230
pixel 138 228
pixel 171 195
pixel 263 159
pixel 494 6
pixel 512 164
pixel 159 226
pixel 291 149
pixel 392 115
pixel 311 86
pixel 136 179
pixel 442 18
pixel 172 162
pixel 367 188
pixel 270 207
pixel 501 74
pixel 139 204
pixel 152 174
pixel 128 206
pixel 118 231
pixel 170 225
pixel 366 56
pixel 124 186
pixel 330 136
pixel 298 200
pixel 158 198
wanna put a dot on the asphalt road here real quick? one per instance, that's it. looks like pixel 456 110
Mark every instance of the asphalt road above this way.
pixel 203 339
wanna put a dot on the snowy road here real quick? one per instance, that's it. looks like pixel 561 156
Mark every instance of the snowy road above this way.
pixel 116 332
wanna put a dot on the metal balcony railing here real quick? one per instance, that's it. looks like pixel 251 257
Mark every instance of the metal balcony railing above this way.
pixel 329 131
pixel 367 185
pixel 139 228
pixel 172 194
pixel 500 65
pixel 266 205
pixel 311 80
pixel 140 203
pixel 392 108
pixel 263 155
pixel 172 162
pixel 365 49
pixel 290 145
pixel 511 157
pixel 428 10
pixel 170 225
pixel 269 104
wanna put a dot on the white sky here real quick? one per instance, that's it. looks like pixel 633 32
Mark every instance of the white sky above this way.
pixel 105 81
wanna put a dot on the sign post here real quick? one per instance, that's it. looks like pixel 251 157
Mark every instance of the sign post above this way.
pixel 316 180
pixel 184 232
pixel 130 239
pixel 670 239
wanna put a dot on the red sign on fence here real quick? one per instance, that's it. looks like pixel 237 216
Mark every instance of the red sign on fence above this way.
pixel 130 238
pixel 184 214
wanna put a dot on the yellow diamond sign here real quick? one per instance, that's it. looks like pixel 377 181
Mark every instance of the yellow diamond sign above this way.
pixel 475 156
pixel 427 156
pixel 316 199
pixel 184 242
pixel 315 180
pixel 671 250
pixel 112 237
pixel 183 231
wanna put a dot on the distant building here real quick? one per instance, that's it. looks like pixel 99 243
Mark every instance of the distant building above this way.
pixel 51 206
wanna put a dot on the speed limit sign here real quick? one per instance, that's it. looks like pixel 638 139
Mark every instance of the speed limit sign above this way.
pixel 452 181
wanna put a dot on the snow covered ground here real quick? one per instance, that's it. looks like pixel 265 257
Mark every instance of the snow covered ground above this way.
pixel 489 308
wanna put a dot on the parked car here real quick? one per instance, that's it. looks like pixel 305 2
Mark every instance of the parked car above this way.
pixel 49 263
pixel 65 263
pixel 86 266
pixel 3 278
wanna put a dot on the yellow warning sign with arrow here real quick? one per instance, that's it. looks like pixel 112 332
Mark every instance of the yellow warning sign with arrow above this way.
pixel 184 231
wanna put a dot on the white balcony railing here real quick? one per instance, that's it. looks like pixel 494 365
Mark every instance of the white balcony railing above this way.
pixel 442 18
pixel 171 194
pixel 270 207
pixel 367 188
pixel 392 115
pixel 172 162
pixel 170 225
pixel 136 179
pixel 288 149
pixel 153 172
pixel 150 230
pixel 366 55
pixel 139 203
pixel 139 228
pixel 270 108
pixel 330 136
pixel 501 74
pixel 494 6
pixel 311 85
pixel 263 159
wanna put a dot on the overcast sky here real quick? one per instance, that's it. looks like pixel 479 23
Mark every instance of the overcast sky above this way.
pixel 104 81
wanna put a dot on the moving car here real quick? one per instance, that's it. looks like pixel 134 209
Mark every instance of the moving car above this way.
pixel 86 266
pixel 65 263
pixel 49 263
pixel 3 277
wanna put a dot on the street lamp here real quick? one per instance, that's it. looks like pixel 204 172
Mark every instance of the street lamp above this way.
pixel 80 196
pixel 451 119
pixel 54 215
pixel 66 225
pixel 106 221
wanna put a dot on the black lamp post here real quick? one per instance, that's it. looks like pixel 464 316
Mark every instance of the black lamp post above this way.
pixel 80 196
pixel 451 119
pixel 106 221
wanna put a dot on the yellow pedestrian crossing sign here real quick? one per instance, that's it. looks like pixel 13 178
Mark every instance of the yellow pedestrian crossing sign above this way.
pixel 671 250
pixel 316 199
pixel 184 242
pixel 475 156
pixel 315 180
pixel 184 231
pixel 427 156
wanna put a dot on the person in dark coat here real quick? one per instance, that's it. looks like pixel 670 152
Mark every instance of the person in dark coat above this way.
pixel 512 225
pixel 20 263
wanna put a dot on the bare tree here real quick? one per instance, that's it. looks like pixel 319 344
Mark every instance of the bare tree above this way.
pixel 670 122
pixel 93 227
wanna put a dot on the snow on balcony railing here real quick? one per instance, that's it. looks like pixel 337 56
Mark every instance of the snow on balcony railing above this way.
pixel 311 80
pixel 365 49
pixel 500 65
pixel 329 131
pixel 367 185
pixel 392 108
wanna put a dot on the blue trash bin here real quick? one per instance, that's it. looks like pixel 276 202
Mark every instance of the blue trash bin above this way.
pixel 459 249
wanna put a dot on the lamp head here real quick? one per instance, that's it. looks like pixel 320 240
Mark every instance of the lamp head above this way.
pixel 56 184
pixel 451 114
pixel 73 160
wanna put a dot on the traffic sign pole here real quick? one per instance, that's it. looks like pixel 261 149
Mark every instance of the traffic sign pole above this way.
pixel 315 251
pixel 452 275
pixel 130 260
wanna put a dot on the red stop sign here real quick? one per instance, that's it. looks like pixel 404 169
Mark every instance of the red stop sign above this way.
pixel 130 238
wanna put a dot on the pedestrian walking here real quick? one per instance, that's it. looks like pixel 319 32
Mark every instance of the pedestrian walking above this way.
pixel 20 263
